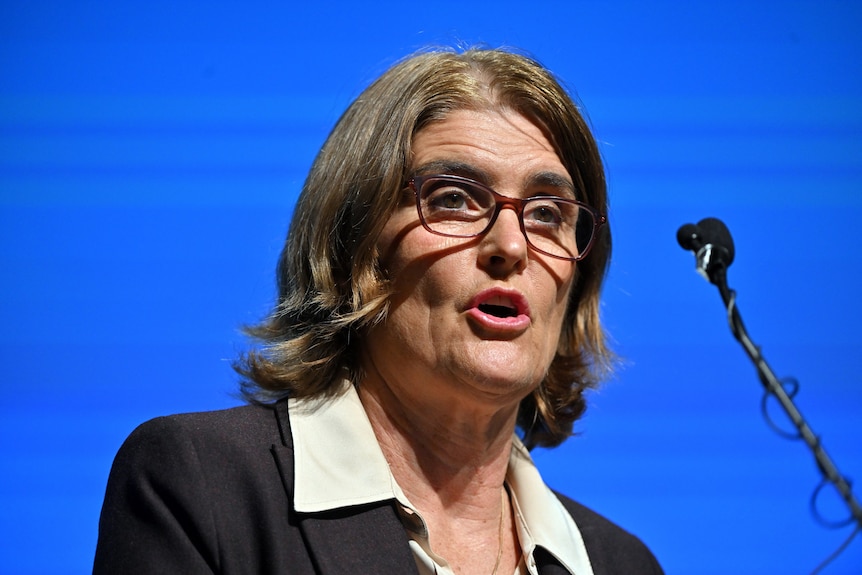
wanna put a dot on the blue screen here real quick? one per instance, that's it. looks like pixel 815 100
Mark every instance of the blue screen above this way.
pixel 151 153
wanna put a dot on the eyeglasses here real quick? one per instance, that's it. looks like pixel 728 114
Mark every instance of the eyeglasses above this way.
pixel 458 207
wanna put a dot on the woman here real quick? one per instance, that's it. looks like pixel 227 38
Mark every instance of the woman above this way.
pixel 438 290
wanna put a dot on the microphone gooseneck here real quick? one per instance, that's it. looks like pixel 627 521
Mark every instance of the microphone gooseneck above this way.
pixel 712 244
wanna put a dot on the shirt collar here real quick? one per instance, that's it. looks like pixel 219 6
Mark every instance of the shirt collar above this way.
pixel 338 463
pixel 337 459
pixel 544 522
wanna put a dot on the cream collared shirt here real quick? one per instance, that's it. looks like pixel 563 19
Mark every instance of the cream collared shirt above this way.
pixel 338 463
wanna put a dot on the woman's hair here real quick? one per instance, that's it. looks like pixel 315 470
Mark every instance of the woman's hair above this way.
pixel 330 285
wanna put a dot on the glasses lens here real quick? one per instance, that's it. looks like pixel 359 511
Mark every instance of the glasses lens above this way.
pixel 558 227
pixel 455 207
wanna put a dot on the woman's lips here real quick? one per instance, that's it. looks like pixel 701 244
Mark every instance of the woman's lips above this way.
pixel 500 310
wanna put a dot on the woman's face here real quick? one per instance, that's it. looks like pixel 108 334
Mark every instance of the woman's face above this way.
pixel 445 333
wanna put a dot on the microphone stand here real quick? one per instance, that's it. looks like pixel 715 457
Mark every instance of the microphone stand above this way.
pixel 718 276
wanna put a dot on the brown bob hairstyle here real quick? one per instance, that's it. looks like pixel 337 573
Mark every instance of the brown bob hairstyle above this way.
pixel 330 285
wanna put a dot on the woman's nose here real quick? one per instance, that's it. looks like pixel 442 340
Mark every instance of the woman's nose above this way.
pixel 504 246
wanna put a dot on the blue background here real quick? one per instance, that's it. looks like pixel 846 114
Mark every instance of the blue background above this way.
pixel 150 154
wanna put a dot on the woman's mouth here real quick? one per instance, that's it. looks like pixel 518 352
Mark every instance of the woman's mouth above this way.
pixel 498 306
pixel 500 310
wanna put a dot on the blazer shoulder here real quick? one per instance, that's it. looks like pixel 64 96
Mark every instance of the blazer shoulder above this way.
pixel 612 549
pixel 230 444
pixel 197 493
pixel 249 424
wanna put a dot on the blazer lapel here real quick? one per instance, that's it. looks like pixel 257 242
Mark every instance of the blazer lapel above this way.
pixel 366 539
pixel 361 539
pixel 547 565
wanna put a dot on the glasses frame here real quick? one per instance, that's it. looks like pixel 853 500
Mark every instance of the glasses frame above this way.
pixel 417 182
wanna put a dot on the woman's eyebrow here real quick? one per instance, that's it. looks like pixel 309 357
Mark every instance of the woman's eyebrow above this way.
pixel 452 167
pixel 561 183
pixel 545 179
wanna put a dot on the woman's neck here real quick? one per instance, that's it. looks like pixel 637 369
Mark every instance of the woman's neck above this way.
pixel 450 457
pixel 443 454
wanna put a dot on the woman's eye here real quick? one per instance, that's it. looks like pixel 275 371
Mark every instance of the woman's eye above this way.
pixel 448 199
pixel 545 214
pixel 451 201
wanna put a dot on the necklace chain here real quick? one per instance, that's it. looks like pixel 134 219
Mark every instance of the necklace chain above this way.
pixel 500 531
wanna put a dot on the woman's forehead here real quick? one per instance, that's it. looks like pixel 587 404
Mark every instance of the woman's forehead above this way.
pixel 489 146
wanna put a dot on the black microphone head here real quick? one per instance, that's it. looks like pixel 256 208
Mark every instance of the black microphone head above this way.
pixel 712 245
pixel 688 237
pixel 713 231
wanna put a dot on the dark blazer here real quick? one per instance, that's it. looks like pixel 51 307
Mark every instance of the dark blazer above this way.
pixel 212 492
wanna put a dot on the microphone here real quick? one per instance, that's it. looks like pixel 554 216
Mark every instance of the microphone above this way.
pixel 712 245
